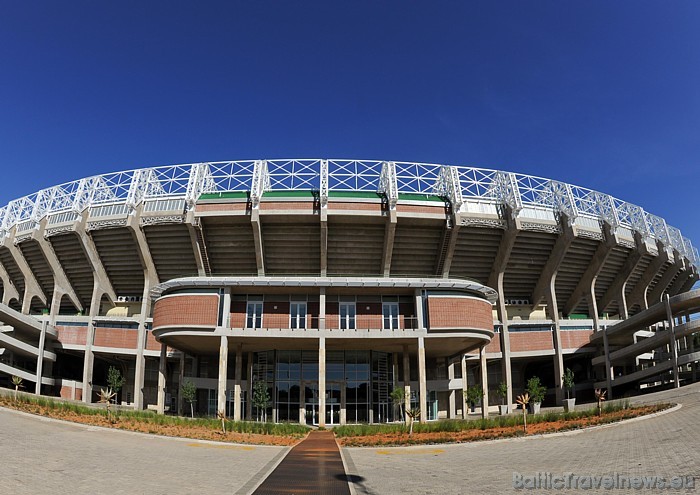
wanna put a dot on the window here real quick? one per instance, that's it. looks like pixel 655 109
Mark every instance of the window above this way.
pixel 297 315
pixel 390 311
pixel 254 314
pixel 347 316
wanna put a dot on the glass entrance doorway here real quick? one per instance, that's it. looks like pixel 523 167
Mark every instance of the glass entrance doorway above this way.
pixel 311 401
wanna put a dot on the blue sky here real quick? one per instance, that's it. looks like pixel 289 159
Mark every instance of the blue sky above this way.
pixel 600 94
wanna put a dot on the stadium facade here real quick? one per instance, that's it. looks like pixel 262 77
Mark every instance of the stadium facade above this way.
pixel 335 281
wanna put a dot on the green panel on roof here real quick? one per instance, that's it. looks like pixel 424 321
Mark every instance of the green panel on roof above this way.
pixel 224 195
pixel 354 194
pixel 420 197
pixel 288 194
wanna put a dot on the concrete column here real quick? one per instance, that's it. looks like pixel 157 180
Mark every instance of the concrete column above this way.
pixel 237 383
pixel 465 406
pixel 322 309
pixel 420 318
pixel 422 384
pixel 40 358
pixel 452 399
pixel 223 367
pixel 89 358
pixel 322 381
pixel 484 383
pixel 181 380
pixel 556 337
pixel 343 404
pixel 162 367
pixel 672 341
pixel 608 365
pixel 406 381
pixel 505 342
pixel 249 402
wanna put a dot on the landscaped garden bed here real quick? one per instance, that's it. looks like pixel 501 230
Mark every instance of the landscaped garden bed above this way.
pixel 159 424
pixel 395 434
pixel 456 431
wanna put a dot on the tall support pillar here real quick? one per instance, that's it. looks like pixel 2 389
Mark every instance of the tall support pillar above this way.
pixel 556 334
pixel 322 381
pixel 406 381
pixel 484 383
pixel 322 309
pixel 505 343
pixel 162 368
pixel 673 345
pixel 465 406
pixel 223 367
pixel 40 358
pixel 422 383
pixel 249 402
pixel 452 398
pixel 181 381
pixel 237 383
pixel 89 358
pixel 608 365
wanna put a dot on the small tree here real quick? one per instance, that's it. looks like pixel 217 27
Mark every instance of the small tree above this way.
pixel 413 414
pixel 398 397
pixel 222 416
pixel 502 391
pixel 261 399
pixel 17 382
pixel 106 397
pixel 568 382
pixel 189 394
pixel 600 397
pixel 524 400
pixel 535 389
pixel 474 395
pixel 115 380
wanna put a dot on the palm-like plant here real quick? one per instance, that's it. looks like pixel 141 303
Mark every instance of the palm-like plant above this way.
pixel 524 400
pixel 413 414
pixel 600 397
pixel 398 397
pixel 222 416
pixel 106 396
pixel 17 382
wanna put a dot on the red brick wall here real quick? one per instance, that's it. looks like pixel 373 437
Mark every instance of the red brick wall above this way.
pixel 241 206
pixel 531 341
pixel 435 210
pixel 187 309
pixel 495 344
pixel 575 339
pixel 72 335
pixel 151 343
pixel 125 338
pixel 332 315
pixel 67 393
pixel 238 314
pixel 337 205
pixel 459 312
pixel 275 318
pixel 287 205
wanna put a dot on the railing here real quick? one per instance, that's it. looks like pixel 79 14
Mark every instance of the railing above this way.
pixel 455 183
pixel 359 323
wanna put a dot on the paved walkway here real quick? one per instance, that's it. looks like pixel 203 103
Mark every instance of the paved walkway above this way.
pixel 666 445
pixel 40 456
pixel 314 466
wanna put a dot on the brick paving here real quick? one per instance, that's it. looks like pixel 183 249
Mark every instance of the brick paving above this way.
pixel 40 456
pixel 667 445
pixel 314 466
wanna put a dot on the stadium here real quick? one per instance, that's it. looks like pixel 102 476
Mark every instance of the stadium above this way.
pixel 335 281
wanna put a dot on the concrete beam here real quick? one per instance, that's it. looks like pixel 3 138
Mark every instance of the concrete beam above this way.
pixel 9 291
pixel 445 257
pixel 98 270
pixel 60 280
pixel 506 247
pixel 422 382
pixel 639 293
pixel 324 240
pixel 589 277
pixel 484 383
pixel 556 257
pixel 556 337
pixel 195 233
pixel 656 294
pixel 223 368
pixel 389 235
pixel 258 241
pixel 616 291
pixel 32 288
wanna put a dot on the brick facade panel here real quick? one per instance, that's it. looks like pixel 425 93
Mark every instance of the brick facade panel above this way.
pixel 459 312
pixel 72 335
pixel 208 207
pixel 287 205
pixel 123 338
pixel 531 341
pixel 349 206
pixel 186 309
pixel 494 345
pixel 575 339
pixel 433 210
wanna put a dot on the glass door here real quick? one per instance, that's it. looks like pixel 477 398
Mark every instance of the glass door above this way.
pixel 333 403
pixel 311 402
